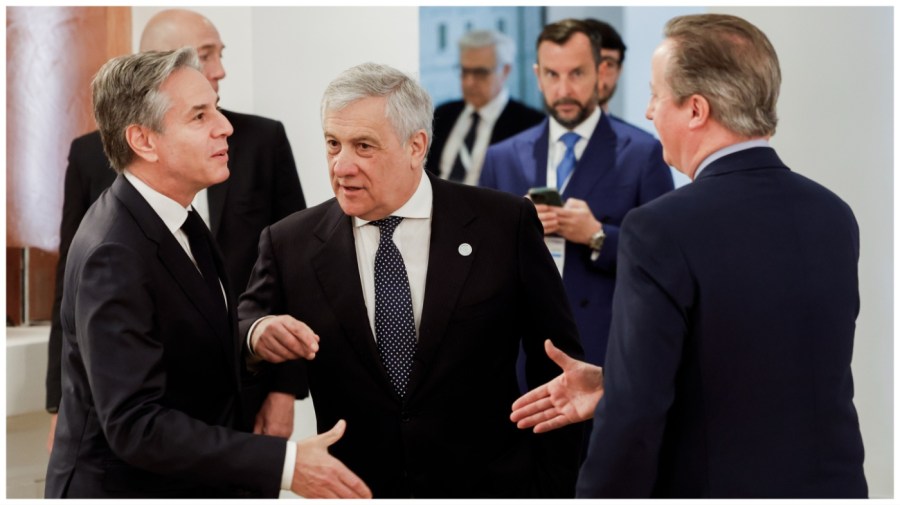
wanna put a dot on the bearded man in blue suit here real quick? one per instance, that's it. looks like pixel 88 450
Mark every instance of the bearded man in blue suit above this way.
pixel 612 168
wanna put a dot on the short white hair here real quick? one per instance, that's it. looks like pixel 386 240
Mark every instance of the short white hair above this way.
pixel 504 47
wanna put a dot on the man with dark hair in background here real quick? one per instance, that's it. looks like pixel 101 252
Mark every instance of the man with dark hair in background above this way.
pixel 601 168
pixel 612 57
pixel 263 187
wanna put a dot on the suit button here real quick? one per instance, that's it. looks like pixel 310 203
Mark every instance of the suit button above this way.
pixel 584 303
pixel 404 416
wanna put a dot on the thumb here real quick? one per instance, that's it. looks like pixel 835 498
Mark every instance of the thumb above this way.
pixel 334 434
pixel 560 358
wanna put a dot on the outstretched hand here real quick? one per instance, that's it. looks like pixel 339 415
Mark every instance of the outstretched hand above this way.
pixel 569 398
pixel 318 474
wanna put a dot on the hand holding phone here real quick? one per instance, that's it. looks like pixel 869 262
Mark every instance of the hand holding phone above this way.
pixel 545 196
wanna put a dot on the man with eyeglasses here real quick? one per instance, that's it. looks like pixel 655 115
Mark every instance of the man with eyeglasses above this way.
pixel 463 129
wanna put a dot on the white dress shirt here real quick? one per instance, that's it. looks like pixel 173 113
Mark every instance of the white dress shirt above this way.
pixel 173 216
pixel 412 238
pixel 489 114
pixel 557 149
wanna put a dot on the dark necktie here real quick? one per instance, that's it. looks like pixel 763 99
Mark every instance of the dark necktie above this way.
pixel 567 164
pixel 458 173
pixel 199 239
pixel 395 327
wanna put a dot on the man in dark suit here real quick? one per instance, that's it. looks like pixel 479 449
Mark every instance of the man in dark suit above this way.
pixel 263 187
pixel 613 167
pixel 420 327
pixel 460 140
pixel 151 358
pixel 728 372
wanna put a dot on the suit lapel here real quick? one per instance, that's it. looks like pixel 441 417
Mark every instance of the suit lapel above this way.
pixel 447 272
pixel 182 270
pixel 337 270
pixel 597 161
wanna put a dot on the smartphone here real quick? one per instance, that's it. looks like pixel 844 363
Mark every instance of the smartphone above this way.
pixel 546 196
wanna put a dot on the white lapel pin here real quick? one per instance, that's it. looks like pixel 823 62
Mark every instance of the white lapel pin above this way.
pixel 464 249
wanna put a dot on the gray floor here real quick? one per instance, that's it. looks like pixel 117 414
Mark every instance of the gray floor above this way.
pixel 26 455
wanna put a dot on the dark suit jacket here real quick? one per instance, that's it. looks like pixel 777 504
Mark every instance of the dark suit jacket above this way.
pixel 620 169
pixel 728 372
pixel 263 187
pixel 515 117
pixel 150 369
pixel 452 436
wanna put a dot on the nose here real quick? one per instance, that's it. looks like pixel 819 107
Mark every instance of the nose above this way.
pixel 223 126
pixel 343 163
pixel 649 112
pixel 214 71
pixel 565 88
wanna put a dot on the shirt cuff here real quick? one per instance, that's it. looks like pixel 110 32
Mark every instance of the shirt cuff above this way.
pixel 290 460
pixel 250 333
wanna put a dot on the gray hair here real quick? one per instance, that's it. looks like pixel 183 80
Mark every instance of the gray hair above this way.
pixel 504 47
pixel 732 64
pixel 408 107
pixel 126 92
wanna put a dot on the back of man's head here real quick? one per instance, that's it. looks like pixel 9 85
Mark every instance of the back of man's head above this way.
pixel 732 64
pixel 173 29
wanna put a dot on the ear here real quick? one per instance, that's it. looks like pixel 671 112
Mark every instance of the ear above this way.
pixel 537 75
pixel 700 111
pixel 142 142
pixel 506 69
pixel 418 146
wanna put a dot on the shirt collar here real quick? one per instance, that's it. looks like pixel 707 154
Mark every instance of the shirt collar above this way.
pixel 171 212
pixel 491 110
pixel 584 130
pixel 417 207
pixel 725 151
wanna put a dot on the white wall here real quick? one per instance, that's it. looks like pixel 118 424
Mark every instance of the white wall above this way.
pixel 836 127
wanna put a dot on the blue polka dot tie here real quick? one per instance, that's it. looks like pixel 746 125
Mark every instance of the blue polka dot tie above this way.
pixel 395 327
pixel 567 165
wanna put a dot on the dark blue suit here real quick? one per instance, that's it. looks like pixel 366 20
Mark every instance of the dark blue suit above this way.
pixel 620 169
pixel 728 373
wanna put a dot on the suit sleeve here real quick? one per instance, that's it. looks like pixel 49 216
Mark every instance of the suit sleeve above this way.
pixel 76 201
pixel 124 360
pixel 287 377
pixel 547 314
pixel 655 181
pixel 654 292
pixel 263 297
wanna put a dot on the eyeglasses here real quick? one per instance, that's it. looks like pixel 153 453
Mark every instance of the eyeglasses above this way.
pixel 479 73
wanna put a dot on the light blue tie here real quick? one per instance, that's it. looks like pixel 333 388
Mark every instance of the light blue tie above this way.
pixel 565 167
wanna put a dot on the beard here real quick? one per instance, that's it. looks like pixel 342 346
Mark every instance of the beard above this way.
pixel 584 110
